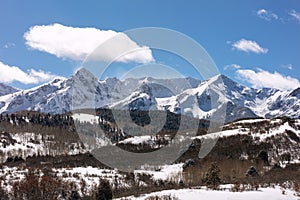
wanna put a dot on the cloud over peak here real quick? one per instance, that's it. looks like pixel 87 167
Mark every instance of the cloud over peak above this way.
pixel 249 46
pixel 232 66
pixel 262 78
pixel 77 43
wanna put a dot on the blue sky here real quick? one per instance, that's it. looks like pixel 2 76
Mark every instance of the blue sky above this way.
pixel 256 43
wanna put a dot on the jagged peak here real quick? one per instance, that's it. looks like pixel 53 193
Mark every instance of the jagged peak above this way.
pixel 82 72
pixel 226 80
pixel 295 92
pixel 110 81
pixel 83 75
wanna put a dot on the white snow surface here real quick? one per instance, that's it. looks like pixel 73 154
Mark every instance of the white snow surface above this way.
pixel 204 194
pixel 165 172
pixel 92 119
pixel 138 140
pixel 91 175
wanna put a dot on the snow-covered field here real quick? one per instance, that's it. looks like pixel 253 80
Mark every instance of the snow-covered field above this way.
pixel 276 193
pixel 91 176
pixel 165 172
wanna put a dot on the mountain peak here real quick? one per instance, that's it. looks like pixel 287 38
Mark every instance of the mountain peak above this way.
pixel 295 93
pixel 82 72
pixel 224 79
pixel 84 76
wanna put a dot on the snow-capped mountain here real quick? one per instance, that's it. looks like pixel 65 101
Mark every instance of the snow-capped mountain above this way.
pixel 182 95
pixel 240 101
pixel 207 98
pixel 6 89
pixel 81 90
pixel 84 90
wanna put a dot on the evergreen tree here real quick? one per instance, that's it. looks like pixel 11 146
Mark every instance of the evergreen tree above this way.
pixel 212 177
pixel 104 191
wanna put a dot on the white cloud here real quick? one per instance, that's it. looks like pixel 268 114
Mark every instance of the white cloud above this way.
pixel 295 15
pixel 232 66
pixel 10 74
pixel 266 15
pixel 289 66
pixel 249 46
pixel 9 44
pixel 262 78
pixel 76 43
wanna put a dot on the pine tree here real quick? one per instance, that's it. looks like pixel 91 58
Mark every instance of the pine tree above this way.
pixel 212 177
pixel 104 191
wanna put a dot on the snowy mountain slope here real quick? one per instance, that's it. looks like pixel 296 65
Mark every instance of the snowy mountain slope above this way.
pixel 197 102
pixel 38 98
pixel 83 90
pixel 181 95
pixel 6 89
pixel 284 103
pixel 241 101
pixel 144 98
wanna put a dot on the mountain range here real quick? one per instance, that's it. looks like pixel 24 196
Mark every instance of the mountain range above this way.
pixel 186 96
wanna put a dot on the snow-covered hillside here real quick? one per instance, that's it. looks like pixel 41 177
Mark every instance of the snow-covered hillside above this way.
pixel 14 146
pixel 242 142
pixel 283 137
